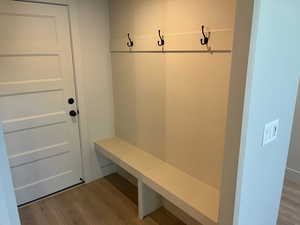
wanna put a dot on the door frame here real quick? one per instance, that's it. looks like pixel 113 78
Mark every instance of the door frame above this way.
pixel 72 6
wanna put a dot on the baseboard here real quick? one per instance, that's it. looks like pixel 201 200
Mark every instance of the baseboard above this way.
pixel 293 175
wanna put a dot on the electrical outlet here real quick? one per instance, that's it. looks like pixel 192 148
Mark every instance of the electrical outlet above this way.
pixel 271 132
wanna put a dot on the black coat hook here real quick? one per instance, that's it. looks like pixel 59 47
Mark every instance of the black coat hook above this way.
pixel 162 40
pixel 205 40
pixel 130 42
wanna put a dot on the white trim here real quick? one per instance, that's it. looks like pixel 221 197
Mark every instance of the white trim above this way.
pixel 293 171
pixel 79 86
pixel 55 2
pixel 293 175
pixel 72 6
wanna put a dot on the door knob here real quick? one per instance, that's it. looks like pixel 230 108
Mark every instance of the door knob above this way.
pixel 71 101
pixel 73 113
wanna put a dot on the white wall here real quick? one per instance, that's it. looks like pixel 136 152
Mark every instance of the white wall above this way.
pixel 293 170
pixel 271 90
pixel 238 76
pixel 94 42
pixel 173 105
pixel 8 205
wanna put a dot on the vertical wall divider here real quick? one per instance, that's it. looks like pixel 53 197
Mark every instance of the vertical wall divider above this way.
pixel 149 200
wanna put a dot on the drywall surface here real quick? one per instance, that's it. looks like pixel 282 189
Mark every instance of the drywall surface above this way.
pixel 8 205
pixel 94 38
pixel 238 77
pixel 196 105
pixel 139 96
pixel 272 82
pixel 293 170
pixel 173 105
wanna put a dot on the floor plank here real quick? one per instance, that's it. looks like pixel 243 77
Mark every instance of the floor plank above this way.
pixel 289 213
pixel 108 201
pixel 113 201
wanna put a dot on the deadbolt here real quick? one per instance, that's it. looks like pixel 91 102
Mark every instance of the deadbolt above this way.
pixel 71 101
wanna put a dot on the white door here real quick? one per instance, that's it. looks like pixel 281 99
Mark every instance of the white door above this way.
pixel 36 81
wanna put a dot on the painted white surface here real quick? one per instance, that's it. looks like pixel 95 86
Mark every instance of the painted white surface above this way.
pixel 173 105
pixel 93 24
pixel 238 75
pixel 8 205
pixel 90 39
pixel 293 170
pixel 272 82
pixel 36 81
pixel 149 200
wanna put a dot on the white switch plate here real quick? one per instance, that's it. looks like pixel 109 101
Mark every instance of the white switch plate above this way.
pixel 271 132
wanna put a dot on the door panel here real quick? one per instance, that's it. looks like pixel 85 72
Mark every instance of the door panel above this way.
pixel 19 106
pixel 25 144
pixel 33 29
pixel 36 80
pixel 27 69
pixel 40 170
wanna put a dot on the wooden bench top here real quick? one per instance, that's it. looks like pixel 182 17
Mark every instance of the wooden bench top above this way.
pixel 199 200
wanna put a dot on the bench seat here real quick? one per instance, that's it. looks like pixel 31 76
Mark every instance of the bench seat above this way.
pixel 197 199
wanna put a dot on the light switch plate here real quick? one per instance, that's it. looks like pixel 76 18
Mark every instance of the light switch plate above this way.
pixel 271 132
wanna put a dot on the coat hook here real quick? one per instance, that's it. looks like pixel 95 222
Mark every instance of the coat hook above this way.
pixel 205 40
pixel 162 40
pixel 130 42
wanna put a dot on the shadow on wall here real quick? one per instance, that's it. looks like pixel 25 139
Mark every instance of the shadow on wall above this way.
pixel 104 165
pixel 293 168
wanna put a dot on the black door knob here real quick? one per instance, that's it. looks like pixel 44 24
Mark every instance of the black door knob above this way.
pixel 71 101
pixel 73 113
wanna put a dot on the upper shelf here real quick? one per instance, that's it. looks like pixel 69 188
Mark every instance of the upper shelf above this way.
pixel 220 40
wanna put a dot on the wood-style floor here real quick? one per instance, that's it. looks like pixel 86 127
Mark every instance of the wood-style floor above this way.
pixel 113 201
pixel 109 201
pixel 290 205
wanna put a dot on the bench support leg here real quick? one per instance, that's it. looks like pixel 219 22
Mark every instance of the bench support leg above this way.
pixel 149 200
